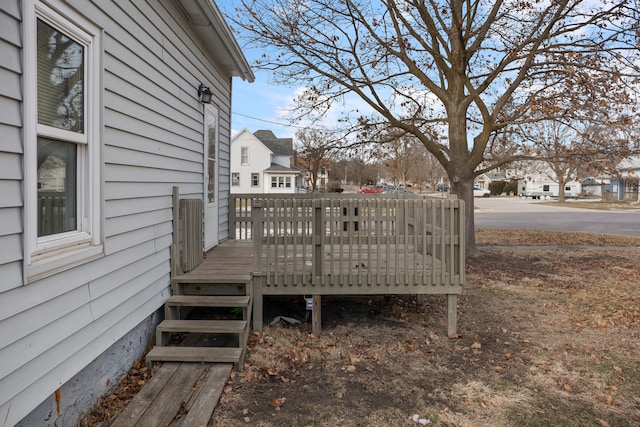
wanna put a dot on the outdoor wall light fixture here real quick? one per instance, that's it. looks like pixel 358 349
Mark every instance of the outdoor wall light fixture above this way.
pixel 204 93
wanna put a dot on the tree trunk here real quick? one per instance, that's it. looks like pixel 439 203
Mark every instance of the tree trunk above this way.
pixel 464 190
pixel 561 195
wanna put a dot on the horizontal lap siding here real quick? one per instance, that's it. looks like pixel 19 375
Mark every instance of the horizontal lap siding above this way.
pixel 151 140
pixel 10 148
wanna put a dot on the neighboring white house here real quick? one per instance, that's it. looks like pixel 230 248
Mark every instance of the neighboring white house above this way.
pixel 100 116
pixel 487 178
pixel 261 163
pixel 628 183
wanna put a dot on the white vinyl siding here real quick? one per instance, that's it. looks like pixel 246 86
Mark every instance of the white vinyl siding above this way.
pixel 11 176
pixel 150 139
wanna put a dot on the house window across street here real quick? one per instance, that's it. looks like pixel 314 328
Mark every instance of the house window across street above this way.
pixel 235 179
pixel 244 156
pixel 255 179
pixel 62 199
pixel 280 182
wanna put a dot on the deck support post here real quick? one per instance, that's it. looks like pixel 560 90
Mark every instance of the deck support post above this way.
pixel 316 315
pixel 452 314
pixel 257 281
pixel 258 303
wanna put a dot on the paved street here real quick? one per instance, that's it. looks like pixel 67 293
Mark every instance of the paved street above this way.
pixel 514 212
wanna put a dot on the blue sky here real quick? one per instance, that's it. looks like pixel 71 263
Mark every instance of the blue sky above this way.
pixel 263 105
pixel 258 105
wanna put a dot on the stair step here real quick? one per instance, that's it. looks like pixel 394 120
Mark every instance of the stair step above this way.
pixel 195 354
pixel 214 279
pixel 203 326
pixel 208 301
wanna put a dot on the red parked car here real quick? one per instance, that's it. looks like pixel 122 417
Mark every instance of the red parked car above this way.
pixel 375 189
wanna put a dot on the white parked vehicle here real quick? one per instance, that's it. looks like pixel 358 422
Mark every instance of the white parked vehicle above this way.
pixel 544 189
pixel 481 192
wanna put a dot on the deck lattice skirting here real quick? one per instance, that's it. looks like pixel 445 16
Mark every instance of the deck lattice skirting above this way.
pixel 352 245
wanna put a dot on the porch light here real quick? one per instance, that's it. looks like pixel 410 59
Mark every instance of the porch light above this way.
pixel 204 94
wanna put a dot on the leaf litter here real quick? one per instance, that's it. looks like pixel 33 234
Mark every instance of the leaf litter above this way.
pixel 547 336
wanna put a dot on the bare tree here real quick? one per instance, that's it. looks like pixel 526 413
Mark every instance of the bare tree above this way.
pixel 557 145
pixel 399 158
pixel 444 70
pixel 313 152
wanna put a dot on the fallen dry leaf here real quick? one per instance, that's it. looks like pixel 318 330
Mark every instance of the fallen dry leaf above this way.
pixel 278 402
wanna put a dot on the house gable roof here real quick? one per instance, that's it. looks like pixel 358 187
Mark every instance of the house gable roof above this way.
pixel 629 165
pixel 493 176
pixel 278 146
pixel 276 168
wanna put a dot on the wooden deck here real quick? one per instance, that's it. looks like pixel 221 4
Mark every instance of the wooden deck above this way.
pixel 230 261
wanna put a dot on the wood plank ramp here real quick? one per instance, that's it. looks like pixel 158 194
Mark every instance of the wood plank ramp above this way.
pixel 178 395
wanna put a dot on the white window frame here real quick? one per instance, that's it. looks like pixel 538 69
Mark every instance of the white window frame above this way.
pixel 280 181
pixel 255 179
pixel 47 255
pixel 244 156
pixel 213 110
pixel 235 179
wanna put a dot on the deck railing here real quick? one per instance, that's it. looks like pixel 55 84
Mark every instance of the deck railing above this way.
pixel 188 243
pixel 348 244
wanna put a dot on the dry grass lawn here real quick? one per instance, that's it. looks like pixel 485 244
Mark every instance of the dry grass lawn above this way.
pixel 548 337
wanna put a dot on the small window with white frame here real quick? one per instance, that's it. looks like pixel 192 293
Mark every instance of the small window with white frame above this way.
pixel 255 179
pixel 62 128
pixel 244 156
pixel 235 179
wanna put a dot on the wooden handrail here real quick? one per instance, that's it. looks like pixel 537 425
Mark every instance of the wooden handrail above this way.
pixel 325 242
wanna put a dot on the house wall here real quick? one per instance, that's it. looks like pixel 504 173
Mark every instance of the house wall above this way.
pixel 54 327
pixel 259 160
pixel 10 148
pixel 282 160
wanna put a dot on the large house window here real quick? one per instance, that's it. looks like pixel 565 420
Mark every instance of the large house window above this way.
pixel 255 179
pixel 244 156
pixel 62 200
pixel 280 182
pixel 61 137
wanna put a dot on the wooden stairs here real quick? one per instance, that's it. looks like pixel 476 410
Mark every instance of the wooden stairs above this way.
pixel 208 316
pixel 210 312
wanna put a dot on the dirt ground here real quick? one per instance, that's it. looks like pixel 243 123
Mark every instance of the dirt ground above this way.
pixel 548 336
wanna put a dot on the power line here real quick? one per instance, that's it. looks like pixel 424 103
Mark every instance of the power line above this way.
pixel 269 121
pixel 286 124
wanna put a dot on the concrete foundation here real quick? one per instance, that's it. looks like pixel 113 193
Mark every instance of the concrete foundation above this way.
pixel 79 395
